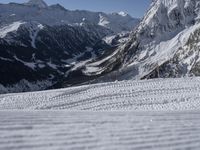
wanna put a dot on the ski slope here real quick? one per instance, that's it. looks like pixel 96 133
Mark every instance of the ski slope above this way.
pixel 159 114
pixel 63 130
pixel 149 95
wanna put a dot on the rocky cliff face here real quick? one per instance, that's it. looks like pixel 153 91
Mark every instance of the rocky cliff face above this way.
pixel 165 44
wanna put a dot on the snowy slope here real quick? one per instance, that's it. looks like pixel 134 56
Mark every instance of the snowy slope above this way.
pixel 151 95
pixel 149 114
pixel 57 130
pixel 10 28
pixel 165 44
pixel 163 37
pixel 157 114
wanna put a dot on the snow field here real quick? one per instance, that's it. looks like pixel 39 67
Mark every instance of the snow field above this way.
pixel 58 130
pixel 150 95
pixel 159 114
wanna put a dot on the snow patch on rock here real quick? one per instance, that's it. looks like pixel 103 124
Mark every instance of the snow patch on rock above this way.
pixel 103 21
pixel 10 28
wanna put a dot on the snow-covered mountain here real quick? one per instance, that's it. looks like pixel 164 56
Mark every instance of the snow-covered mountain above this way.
pixel 165 44
pixel 41 45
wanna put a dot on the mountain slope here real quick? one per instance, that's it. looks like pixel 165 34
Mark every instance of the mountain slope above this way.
pixel 167 41
pixel 37 3
pixel 165 44
pixel 41 45
pixel 56 130
pixel 28 62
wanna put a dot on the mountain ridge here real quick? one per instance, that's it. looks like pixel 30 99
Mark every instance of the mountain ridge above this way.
pixel 58 15
pixel 164 44
pixel 37 3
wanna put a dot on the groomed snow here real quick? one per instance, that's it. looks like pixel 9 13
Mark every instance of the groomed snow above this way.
pixel 149 115
pixel 150 95
pixel 63 130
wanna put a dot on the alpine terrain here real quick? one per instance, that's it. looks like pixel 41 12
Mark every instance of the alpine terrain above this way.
pixel 105 56
pixel 41 45
pixel 165 44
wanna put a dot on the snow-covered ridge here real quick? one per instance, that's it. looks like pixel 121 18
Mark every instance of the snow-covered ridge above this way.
pixel 165 29
pixel 162 44
pixel 169 13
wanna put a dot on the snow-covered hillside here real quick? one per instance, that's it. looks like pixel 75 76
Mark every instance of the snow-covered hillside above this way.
pixel 151 114
pixel 165 44
pixel 151 95
pixel 126 115
pixel 58 130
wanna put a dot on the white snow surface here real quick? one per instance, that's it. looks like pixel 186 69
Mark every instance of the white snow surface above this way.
pixel 149 115
pixel 10 28
pixel 122 13
pixel 60 130
pixel 150 95
pixel 103 21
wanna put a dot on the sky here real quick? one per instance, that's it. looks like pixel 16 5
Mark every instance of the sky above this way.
pixel 135 8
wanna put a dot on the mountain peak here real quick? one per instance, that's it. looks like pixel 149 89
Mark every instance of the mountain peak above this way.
pixel 38 3
pixel 122 13
pixel 171 13
pixel 57 6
